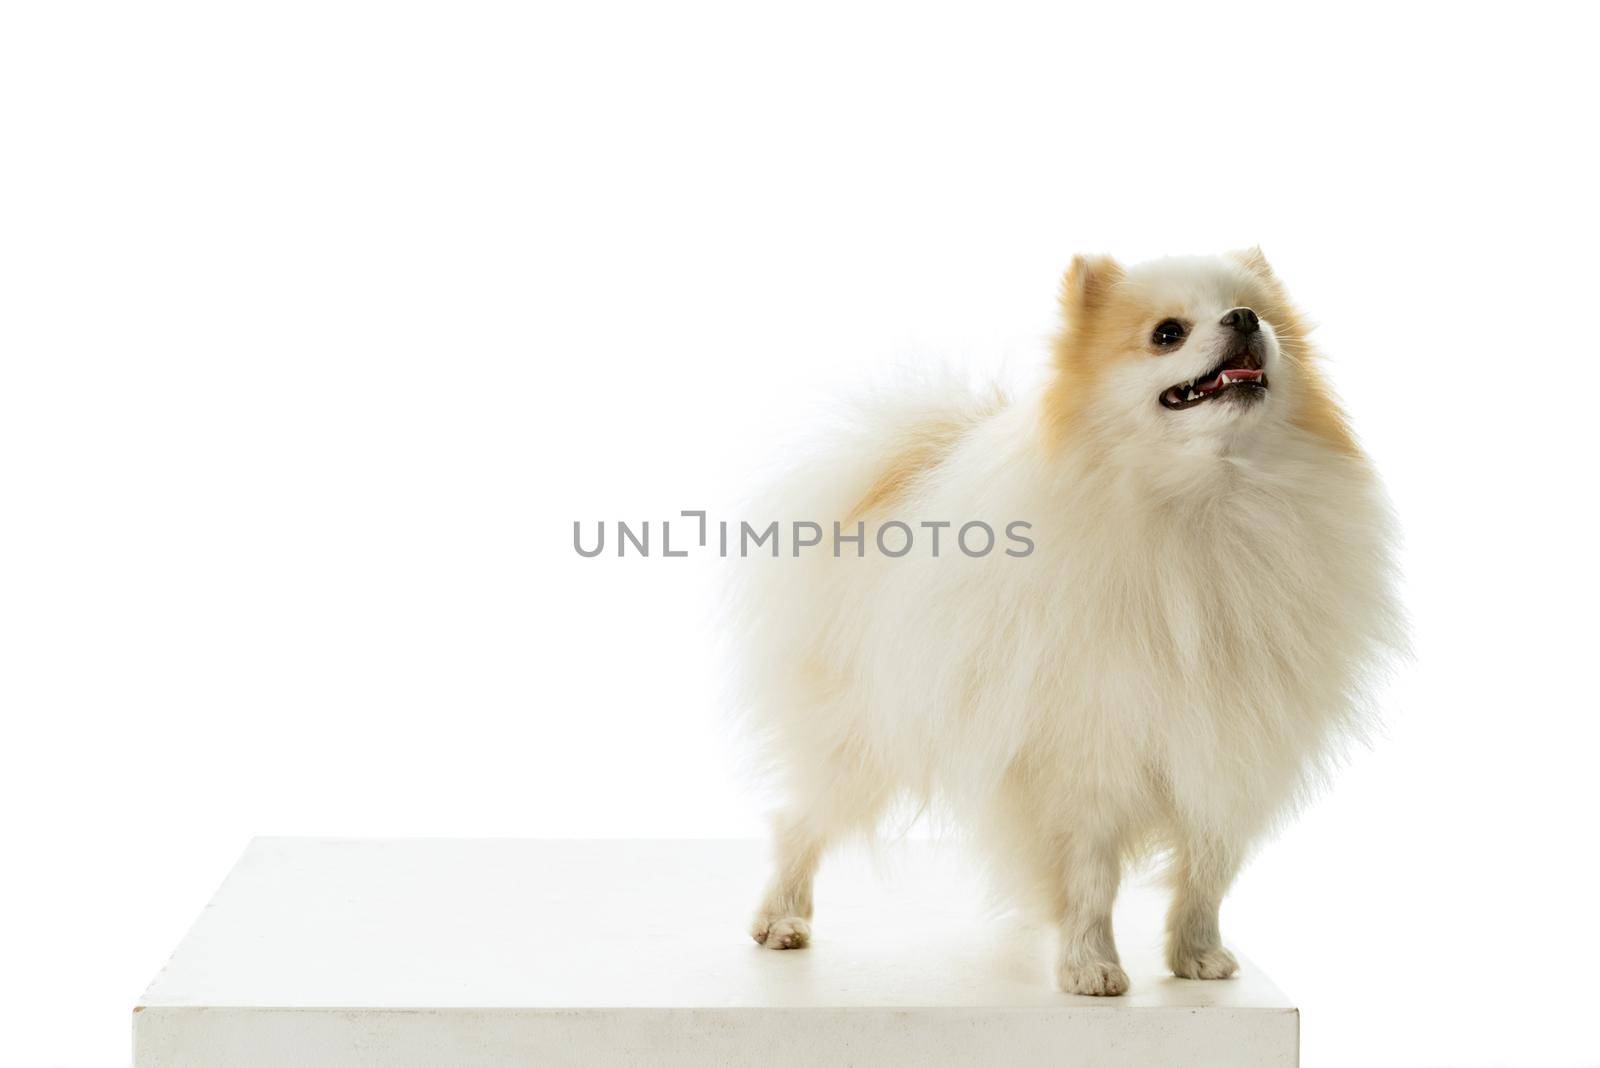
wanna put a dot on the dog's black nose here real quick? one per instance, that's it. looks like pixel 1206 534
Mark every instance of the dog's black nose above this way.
pixel 1243 320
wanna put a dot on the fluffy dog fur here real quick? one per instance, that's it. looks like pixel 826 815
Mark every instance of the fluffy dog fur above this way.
pixel 1167 672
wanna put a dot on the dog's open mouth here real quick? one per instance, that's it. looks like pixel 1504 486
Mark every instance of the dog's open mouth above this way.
pixel 1240 375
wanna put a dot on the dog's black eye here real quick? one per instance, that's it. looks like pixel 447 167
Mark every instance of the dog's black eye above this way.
pixel 1168 332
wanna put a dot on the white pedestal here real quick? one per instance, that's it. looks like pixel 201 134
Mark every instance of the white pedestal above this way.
pixel 470 953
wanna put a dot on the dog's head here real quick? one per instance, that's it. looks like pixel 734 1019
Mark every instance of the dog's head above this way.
pixel 1197 354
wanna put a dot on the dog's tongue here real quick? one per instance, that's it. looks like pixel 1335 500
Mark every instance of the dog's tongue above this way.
pixel 1223 378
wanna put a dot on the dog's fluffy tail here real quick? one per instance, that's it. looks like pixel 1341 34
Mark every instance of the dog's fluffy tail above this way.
pixel 786 615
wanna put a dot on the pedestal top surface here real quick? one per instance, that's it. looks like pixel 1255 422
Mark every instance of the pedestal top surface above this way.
pixel 503 923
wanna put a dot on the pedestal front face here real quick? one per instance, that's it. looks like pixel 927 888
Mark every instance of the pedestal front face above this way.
pixel 469 953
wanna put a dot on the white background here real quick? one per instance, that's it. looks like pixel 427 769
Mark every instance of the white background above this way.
pixel 321 324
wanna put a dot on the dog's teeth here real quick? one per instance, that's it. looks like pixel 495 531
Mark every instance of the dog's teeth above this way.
pixel 1225 381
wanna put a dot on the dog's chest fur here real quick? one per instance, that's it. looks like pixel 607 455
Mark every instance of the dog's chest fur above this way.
pixel 1211 633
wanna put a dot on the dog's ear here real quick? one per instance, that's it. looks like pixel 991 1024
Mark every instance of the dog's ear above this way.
pixel 1088 281
pixel 1255 260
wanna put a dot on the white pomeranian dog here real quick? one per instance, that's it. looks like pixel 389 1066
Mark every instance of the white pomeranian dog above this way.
pixel 1135 613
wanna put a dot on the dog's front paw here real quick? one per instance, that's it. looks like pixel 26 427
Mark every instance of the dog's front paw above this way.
pixel 1211 963
pixel 781 932
pixel 1100 978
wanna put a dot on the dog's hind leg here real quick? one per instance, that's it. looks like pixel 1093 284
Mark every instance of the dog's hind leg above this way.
pixel 784 919
pixel 845 796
